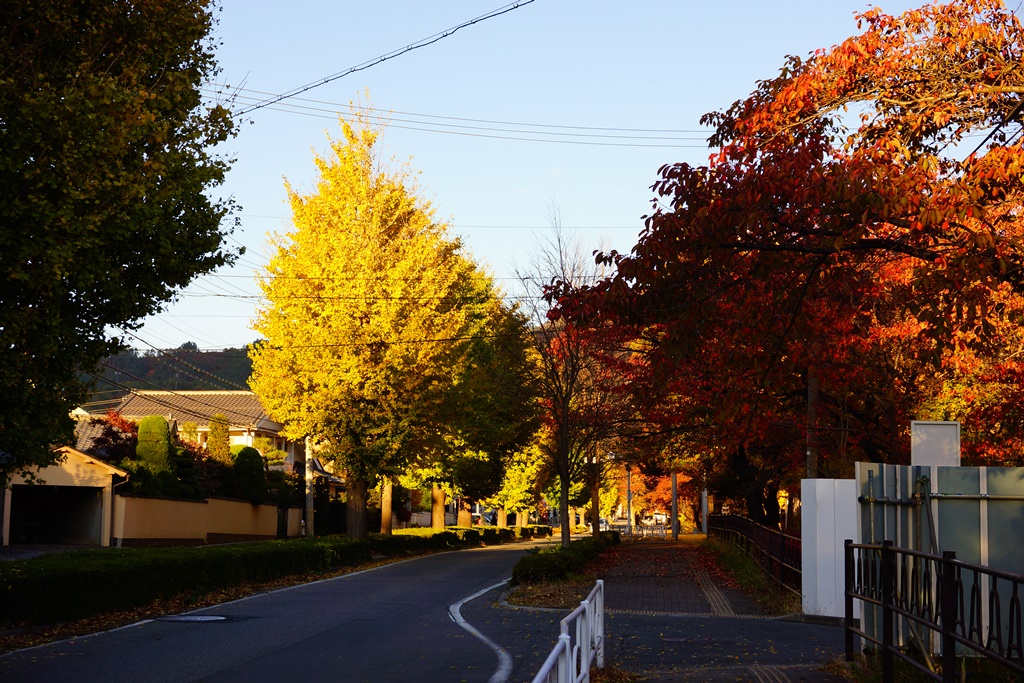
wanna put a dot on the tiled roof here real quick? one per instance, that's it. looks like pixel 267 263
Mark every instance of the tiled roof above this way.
pixel 242 408
pixel 87 430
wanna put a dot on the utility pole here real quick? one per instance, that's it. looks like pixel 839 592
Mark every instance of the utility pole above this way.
pixel 629 500
pixel 675 507
pixel 309 490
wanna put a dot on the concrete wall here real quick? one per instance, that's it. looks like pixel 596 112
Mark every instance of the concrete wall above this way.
pixel 162 521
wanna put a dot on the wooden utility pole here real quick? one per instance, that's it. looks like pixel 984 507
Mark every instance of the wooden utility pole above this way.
pixel 309 489
pixel 812 421
pixel 675 507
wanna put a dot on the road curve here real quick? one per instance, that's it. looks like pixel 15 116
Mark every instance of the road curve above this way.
pixel 387 624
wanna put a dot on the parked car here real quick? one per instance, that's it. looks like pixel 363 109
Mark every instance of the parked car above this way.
pixel 602 524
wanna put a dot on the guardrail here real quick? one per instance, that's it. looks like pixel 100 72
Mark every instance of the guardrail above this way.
pixel 641 530
pixel 778 554
pixel 578 648
pixel 919 600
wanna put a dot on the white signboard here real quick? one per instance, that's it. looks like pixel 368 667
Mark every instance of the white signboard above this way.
pixel 935 443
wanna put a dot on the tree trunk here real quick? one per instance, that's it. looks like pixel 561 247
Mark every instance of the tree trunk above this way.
pixel 386 491
pixel 355 508
pixel 437 508
pixel 465 514
pixel 563 510
pixel 595 505
pixel 502 518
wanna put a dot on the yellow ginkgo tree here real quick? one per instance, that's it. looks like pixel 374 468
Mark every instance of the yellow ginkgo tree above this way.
pixel 371 312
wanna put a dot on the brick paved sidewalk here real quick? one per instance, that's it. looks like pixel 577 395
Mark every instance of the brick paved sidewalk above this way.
pixel 664 579
pixel 670 619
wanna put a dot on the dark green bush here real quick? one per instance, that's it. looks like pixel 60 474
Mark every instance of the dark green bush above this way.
pixel 250 474
pixel 467 535
pixel 73 585
pixel 66 586
pixel 555 564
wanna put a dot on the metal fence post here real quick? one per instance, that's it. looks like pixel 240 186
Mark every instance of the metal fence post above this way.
pixel 948 605
pixel 599 625
pixel 888 577
pixel 565 667
pixel 848 608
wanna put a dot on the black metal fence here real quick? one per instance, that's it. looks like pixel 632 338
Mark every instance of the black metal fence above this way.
pixel 775 552
pixel 927 609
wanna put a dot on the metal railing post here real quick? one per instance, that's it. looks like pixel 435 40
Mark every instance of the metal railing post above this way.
pixel 599 625
pixel 948 605
pixel 888 576
pixel 565 673
pixel 848 607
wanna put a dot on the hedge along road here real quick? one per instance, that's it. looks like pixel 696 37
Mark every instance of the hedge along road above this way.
pixel 392 623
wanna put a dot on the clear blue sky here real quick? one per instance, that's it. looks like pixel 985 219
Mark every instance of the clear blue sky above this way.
pixel 646 65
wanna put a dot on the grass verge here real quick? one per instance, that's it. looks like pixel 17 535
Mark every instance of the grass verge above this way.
pixel 773 598
pixel 562 594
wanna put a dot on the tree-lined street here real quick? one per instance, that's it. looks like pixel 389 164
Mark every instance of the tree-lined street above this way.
pixel 387 624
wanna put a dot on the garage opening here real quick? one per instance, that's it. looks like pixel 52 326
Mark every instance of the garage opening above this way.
pixel 66 515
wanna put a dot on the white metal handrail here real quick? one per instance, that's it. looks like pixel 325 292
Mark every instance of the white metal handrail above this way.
pixel 572 658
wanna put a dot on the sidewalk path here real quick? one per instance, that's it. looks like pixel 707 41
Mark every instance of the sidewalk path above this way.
pixel 673 615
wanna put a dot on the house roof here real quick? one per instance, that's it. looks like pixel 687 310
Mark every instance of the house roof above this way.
pixel 87 430
pixel 75 454
pixel 242 408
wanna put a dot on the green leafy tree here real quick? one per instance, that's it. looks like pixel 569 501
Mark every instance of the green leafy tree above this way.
pixel 218 441
pixel 371 310
pixel 105 205
pixel 526 474
pixel 190 432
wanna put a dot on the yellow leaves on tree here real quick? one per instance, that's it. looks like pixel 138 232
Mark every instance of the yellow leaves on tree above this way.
pixel 370 311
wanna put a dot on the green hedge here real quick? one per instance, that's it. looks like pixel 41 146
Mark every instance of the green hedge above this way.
pixel 65 586
pixel 555 564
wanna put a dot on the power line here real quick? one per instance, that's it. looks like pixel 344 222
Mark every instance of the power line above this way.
pixel 385 114
pixel 349 278
pixel 484 227
pixel 430 40
pixel 184 363
pixel 401 342
pixel 514 138
pixel 635 134
pixel 219 409
pixel 315 297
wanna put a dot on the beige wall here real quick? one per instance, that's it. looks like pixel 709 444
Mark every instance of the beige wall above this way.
pixel 156 521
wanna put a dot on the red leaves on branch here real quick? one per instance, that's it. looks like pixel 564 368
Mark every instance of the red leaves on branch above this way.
pixel 806 248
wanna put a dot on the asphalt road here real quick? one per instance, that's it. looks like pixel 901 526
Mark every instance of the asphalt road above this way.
pixel 388 624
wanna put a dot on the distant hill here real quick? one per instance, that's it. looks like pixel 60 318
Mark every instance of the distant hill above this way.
pixel 181 369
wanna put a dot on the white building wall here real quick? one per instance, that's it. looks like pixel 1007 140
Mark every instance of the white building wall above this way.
pixel 828 518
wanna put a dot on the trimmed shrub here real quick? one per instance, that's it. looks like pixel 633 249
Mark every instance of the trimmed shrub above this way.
pixel 467 535
pixel 154 446
pixel 250 475
pixel 66 586
pixel 555 564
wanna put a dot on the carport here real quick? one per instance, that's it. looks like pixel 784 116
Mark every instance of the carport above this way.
pixel 71 503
